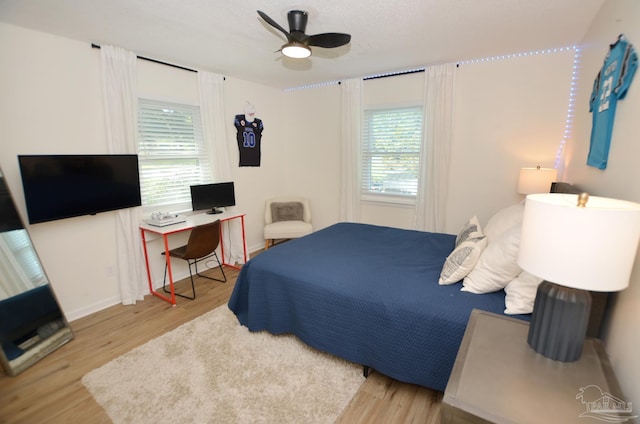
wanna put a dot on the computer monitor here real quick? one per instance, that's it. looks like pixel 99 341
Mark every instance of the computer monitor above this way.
pixel 212 196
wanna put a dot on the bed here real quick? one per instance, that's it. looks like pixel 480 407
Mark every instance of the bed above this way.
pixel 368 294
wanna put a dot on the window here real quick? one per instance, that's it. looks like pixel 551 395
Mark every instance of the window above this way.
pixel 171 152
pixel 391 141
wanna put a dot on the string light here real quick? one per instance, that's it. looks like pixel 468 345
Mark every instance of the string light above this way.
pixel 568 126
pixel 304 87
pixel 464 62
pixel 515 55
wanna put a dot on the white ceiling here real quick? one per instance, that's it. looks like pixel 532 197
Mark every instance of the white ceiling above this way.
pixel 229 38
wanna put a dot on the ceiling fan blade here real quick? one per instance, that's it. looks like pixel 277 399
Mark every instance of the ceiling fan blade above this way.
pixel 329 39
pixel 274 24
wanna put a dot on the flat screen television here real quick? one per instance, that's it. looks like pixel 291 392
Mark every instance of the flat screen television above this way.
pixel 65 186
pixel 212 196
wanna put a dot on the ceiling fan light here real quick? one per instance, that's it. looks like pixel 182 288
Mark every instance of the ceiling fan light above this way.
pixel 296 50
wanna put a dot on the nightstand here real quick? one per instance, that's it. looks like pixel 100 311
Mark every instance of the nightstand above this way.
pixel 498 378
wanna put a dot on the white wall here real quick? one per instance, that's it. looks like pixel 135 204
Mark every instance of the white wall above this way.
pixel 311 155
pixel 51 103
pixel 509 113
pixel 299 150
pixel 619 180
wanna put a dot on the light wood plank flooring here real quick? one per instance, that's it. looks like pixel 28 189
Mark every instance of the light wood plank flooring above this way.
pixel 51 390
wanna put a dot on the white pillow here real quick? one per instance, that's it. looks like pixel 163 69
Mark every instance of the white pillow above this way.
pixel 521 294
pixel 497 265
pixel 470 229
pixel 462 260
pixel 503 220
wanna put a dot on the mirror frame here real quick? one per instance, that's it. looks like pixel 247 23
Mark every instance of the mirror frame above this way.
pixel 35 336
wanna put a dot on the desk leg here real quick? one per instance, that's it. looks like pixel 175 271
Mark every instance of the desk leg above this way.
pixel 171 300
pixel 169 270
pixel 244 240
pixel 146 259
pixel 224 263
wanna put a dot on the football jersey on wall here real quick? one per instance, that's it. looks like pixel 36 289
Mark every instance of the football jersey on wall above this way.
pixel 249 137
pixel 610 85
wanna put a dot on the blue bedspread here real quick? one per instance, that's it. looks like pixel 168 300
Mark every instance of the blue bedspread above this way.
pixel 365 293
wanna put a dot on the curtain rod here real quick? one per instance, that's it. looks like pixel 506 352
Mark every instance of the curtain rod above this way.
pixel 393 74
pixel 96 46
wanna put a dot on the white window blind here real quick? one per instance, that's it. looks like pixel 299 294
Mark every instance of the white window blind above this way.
pixel 391 151
pixel 171 152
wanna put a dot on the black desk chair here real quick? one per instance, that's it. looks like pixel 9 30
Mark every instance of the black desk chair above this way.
pixel 202 245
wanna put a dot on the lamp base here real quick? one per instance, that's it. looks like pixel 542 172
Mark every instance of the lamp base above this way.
pixel 559 322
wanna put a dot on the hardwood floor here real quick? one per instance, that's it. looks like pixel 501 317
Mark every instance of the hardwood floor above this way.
pixel 51 390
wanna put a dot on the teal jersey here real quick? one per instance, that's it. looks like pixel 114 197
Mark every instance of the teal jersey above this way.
pixel 610 85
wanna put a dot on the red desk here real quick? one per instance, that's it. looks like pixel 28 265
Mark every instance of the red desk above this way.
pixel 192 221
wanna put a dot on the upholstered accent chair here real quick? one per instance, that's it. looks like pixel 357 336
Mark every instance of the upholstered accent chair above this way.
pixel 285 218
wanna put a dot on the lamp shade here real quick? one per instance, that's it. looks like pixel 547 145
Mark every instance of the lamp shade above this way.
pixel 536 180
pixel 591 248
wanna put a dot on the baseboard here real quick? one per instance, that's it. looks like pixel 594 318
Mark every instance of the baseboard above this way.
pixel 253 249
pixel 107 303
pixel 90 309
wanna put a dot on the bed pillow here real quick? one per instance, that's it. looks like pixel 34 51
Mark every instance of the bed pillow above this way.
pixel 470 229
pixel 497 265
pixel 521 294
pixel 462 260
pixel 503 220
pixel 286 211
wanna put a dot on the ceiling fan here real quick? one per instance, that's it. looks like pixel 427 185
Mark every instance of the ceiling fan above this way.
pixel 299 44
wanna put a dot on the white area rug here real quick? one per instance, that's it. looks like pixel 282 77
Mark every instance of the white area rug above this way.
pixel 213 370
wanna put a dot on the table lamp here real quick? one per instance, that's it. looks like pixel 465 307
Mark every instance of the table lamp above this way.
pixel 536 180
pixel 576 244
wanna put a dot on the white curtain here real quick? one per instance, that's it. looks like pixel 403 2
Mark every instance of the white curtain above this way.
pixel 211 93
pixel 350 162
pixel 433 179
pixel 121 116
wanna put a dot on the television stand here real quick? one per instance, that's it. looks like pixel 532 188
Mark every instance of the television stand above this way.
pixel 214 211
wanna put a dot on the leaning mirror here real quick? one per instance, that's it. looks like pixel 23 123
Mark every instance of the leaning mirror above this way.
pixel 32 324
